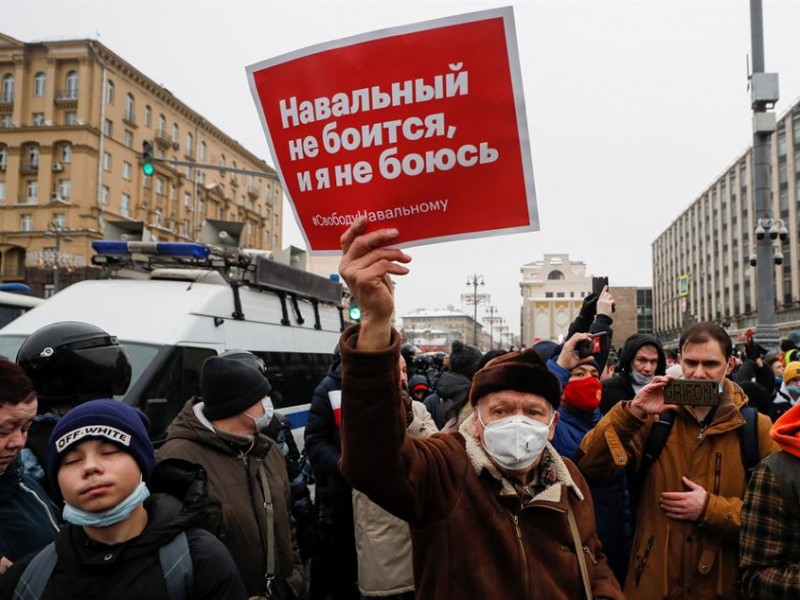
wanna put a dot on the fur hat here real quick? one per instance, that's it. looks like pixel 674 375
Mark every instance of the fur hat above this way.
pixel 464 358
pixel 792 371
pixel 519 371
pixel 229 387
pixel 123 425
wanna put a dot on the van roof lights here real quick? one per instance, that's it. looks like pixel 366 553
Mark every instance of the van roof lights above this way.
pixel 15 288
pixel 173 249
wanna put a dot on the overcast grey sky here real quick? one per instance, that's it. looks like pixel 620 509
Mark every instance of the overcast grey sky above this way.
pixel 634 108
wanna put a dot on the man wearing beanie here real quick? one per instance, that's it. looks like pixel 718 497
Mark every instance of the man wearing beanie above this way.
pixel 786 397
pixel 100 457
pixel 247 479
pixel 453 385
pixel 769 542
pixel 494 511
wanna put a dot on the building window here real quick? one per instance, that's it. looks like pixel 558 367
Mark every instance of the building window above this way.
pixel 222 164
pixel 125 205
pixel 6 121
pixel 110 92
pixel 105 193
pixel 162 126
pixel 189 144
pixel 59 220
pixel 33 157
pixel 32 190
pixel 202 151
pixel 275 241
pixel 185 228
pixel 107 127
pixel 26 222
pixel 70 117
pixel 128 139
pixel 72 85
pixel 65 154
pixel 38 84
pixel 187 199
pixel 127 169
pixel 64 188
pixel 130 108
pixel 173 193
pixel 106 161
pixel 555 275
pixel 159 186
pixel 2 190
pixel 148 116
pixel 157 217
pixel 38 119
pixel 3 157
pixel 175 133
pixel 8 88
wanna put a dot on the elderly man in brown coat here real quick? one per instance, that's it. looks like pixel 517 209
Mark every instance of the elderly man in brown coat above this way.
pixel 494 511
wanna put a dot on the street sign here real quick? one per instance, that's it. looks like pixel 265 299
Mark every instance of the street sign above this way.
pixel 420 127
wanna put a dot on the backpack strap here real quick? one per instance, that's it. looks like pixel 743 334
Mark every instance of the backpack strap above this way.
pixel 176 563
pixel 748 440
pixel 36 575
pixel 656 440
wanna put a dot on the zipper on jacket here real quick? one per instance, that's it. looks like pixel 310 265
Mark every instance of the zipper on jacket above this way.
pixel 515 519
pixel 42 503
pixel 717 472
pixel 590 555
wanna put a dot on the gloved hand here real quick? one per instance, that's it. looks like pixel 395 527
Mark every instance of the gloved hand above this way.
pixel 589 307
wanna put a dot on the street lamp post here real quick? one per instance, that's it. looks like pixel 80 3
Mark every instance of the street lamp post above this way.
pixel 475 280
pixel 492 310
pixel 56 230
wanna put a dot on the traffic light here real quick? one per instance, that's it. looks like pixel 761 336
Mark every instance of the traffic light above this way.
pixel 354 311
pixel 148 168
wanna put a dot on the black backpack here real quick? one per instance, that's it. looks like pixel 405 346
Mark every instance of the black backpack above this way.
pixel 657 439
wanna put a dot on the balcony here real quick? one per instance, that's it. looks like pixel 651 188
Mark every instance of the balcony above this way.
pixel 27 200
pixel 29 167
pixel 66 98
pixel 130 120
pixel 7 102
pixel 163 139
pixel 254 190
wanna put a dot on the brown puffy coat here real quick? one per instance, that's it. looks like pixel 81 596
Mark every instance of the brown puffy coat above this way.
pixel 234 486
pixel 673 558
pixel 472 534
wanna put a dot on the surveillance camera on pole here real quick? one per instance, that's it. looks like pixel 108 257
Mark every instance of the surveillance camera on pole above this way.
pixel 778 256
pixel 753 259
pixel 760 232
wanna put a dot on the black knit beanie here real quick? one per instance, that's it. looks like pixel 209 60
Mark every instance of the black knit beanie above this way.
pixel 464 359
pixel 229 387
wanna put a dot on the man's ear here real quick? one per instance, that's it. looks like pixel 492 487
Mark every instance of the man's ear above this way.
pixel 731 365
pixel 556 416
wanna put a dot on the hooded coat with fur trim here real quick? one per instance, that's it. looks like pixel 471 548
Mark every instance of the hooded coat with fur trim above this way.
pixel 474 534
pixel 675 558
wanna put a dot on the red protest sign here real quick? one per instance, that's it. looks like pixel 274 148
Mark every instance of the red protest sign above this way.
pixel 420 127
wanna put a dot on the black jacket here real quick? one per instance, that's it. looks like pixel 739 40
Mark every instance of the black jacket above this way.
pixel 28 521
pixel 620 387
pixel 452 388
pixel 88 569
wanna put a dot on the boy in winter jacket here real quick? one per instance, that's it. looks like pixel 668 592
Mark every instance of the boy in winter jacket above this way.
pixel 100 457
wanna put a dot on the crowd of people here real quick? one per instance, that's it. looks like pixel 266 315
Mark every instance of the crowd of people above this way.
pixel 556 471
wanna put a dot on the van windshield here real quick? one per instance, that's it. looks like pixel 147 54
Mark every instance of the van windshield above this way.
pixel 141 354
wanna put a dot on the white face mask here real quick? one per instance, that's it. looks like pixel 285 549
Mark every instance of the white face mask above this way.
pixel 263 421
pixel 640 379
pixel 515 442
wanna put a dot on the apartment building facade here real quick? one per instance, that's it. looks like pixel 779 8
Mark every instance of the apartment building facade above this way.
pixel 73 118
pixel 702 262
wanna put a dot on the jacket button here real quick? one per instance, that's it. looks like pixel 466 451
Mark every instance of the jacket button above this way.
pixel 108 557
pixel 620 459
pixel 703 568
pixel 729 516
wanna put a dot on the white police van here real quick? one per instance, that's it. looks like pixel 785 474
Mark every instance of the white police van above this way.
pixel 190 303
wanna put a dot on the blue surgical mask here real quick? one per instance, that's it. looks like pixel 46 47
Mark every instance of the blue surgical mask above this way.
pixel 120 512
pixel 794 390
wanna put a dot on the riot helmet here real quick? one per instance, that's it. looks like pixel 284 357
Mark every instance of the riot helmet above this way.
pixel 71 362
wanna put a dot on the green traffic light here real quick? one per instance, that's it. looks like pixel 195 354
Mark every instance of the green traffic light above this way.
pixel 148 169
pixel 355 313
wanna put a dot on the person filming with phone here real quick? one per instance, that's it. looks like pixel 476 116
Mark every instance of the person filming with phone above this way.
pixel 686 537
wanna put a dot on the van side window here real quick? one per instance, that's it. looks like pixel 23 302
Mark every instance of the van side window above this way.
pixel 294 375
pixel 178 379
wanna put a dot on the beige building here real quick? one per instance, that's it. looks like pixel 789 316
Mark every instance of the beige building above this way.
pixel 73 117
pixel 701 262
pixel 423 323
pixel 552 293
